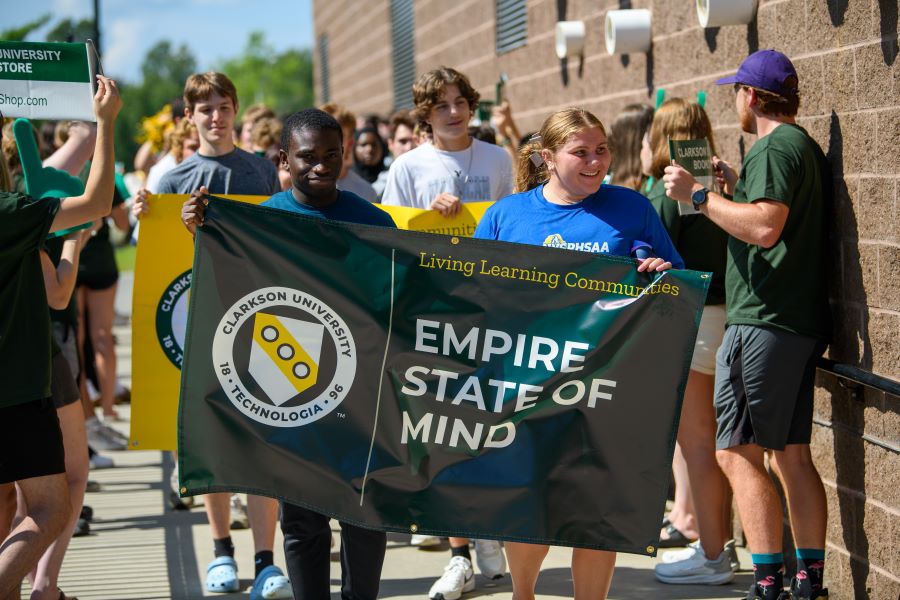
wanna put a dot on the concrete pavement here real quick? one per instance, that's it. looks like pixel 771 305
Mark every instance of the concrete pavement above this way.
pixel 140 549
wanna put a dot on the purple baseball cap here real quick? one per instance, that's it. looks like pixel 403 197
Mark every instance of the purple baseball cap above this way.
pixel 766 70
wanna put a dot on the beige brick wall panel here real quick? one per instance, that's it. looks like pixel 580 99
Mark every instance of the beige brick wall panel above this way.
pixel 888 152
pixel 813 92
pixel 792 31
pixel 822 449
pixel 860 277
pixel 767 25
pixel 847 209
pixel 873 421
pixel 860 152
pixel 884 332
pixel 850 342
pixel 886 587
pixel 819 127
pixel 857 24
pixel 839 92
pixel 666 20
pixel 889 277
pixel 877 218
pixel 891 424
pixel 876 81
pixel 877 526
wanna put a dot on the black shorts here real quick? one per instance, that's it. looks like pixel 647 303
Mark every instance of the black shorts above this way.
pixel 764 387
pixel 98 281
pixel 63 388
pixel 31 443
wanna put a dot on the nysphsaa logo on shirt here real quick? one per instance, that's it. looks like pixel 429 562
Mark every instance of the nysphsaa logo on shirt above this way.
pixel 283 357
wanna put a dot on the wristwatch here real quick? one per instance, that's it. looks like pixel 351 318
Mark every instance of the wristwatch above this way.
pixel 699 198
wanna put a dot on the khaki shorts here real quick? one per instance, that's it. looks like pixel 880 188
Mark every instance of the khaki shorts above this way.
pixel 709 338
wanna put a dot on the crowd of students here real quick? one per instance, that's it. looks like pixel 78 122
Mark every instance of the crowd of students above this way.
pixel 758 230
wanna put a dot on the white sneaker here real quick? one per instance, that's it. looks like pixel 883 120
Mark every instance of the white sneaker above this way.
pixel 239 518
pixel 696 569
pixel 98 461
pixel 490 558
pixel 424 541
pixel 101 437
pixel 731 551
pixel 458 577
pixel 682 554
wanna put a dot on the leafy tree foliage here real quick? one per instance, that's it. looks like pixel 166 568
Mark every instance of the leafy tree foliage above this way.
pixel 283 81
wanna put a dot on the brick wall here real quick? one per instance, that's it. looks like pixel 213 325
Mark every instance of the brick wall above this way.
pixel 846 54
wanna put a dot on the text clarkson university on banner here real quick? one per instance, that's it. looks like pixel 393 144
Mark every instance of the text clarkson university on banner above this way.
pixel 47 80
pixel 434 384
pixel 160 299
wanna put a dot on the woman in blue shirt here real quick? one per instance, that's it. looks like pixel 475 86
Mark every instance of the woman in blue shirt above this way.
pixel 561 203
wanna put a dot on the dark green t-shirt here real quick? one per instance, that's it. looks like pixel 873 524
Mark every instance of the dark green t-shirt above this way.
pixel 783 286
pixel 700 242
pixel 24 316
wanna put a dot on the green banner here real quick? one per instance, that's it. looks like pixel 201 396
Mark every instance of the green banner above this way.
pixel 434 384
pixel 47 80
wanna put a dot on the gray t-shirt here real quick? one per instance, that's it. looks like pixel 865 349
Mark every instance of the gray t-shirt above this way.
pixel 352 182
pixel 237 172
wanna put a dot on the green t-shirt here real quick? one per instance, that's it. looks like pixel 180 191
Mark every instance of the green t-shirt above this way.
pixel 700 242
pixel 783 286
pixel 24 316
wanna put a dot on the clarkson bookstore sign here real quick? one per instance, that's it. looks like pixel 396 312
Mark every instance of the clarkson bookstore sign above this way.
pixel 434 384
pixel 47 80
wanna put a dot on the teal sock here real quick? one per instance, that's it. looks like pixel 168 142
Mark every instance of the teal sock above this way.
pixel 768 573
pixel 810 571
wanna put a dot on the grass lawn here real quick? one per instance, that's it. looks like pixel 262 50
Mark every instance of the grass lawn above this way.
pixel 125 257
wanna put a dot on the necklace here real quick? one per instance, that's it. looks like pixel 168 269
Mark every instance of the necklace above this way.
pixel 459 187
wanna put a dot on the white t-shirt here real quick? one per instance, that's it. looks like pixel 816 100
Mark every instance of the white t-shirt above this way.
pixel 481 173
pixel 163 166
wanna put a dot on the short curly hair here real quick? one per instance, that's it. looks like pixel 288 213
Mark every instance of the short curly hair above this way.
pixel 427 92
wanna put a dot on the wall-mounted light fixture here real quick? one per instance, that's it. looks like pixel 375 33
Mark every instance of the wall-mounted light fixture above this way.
pixel 569 39
pixel 628 31
pixel 716 13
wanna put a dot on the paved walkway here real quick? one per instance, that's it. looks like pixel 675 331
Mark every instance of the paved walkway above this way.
pixel 139 549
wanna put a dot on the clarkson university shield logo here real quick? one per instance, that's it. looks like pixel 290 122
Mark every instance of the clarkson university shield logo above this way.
pixel 284 357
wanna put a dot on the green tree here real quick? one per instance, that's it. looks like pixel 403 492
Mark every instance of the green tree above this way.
pixel 283 81
pixel 164 71
pixel 68 30
pixel 18 34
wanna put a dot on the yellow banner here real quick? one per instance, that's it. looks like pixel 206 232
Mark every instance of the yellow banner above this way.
pixel 162 280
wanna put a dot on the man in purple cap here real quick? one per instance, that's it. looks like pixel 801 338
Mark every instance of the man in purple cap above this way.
pixel 778 320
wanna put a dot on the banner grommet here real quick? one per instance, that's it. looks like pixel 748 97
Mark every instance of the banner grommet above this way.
pixel 413 528
pixel 454 240
pixel 650 549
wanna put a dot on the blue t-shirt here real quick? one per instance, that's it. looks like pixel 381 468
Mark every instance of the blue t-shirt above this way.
pixel 349 208
pixel 609 221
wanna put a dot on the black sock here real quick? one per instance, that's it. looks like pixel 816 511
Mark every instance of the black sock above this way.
pixel 263 559
pixel 810 571
pixel 768 574
pixel 461 551
pixel 223 547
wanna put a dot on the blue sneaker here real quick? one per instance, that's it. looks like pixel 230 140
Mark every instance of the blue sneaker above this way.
pixel 221 576
pixel 271 584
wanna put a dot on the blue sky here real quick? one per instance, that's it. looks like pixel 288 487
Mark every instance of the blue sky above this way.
pixel 213 29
